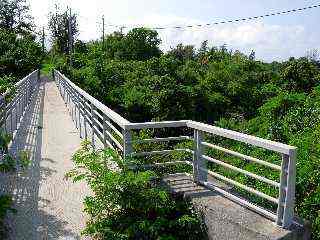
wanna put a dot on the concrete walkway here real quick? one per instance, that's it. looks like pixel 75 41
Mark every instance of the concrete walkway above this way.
pixel 48 205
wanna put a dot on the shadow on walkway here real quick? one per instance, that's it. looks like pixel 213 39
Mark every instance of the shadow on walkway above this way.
pixel 31 221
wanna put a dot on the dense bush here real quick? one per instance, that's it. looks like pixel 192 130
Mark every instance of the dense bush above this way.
pixel 19 54
pixel 129 204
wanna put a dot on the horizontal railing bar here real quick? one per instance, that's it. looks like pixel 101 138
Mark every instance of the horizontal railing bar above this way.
pixel 88 113
pixel 237 184
pixel 15 109
pixel 164 124
pixel 110 125
pixel 114 139
pixel 256 141
pixel 141 154
pixel 162 139
pixel 166 163
pixel 99 134
pixel 96 121
pixel 240 155
pixel 21 82
pixel 109 144
pixel 241 201
pixel 260 178
pixel 189 151
pixel 98 114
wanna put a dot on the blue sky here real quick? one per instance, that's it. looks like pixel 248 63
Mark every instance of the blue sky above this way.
pixel 273 38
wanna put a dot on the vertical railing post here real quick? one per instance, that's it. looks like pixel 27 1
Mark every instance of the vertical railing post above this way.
pixel 285 211
pixel 74 97
pixel 288 214
pixel 104 131
pixel 64 91
pixel 107 141
pixel 127 143
pixel 38 75
pixel 199 164
pixel 84 117
pixel 79 112
pixel 282 189
pixel 92 107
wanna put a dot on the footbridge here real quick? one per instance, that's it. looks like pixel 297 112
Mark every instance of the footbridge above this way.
pixel 49 119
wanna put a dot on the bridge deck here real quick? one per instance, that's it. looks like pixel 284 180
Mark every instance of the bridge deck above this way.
pixel 48 205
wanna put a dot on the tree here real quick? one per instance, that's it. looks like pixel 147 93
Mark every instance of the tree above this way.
pixel 203 50
pixel 59 25
pixel 183 53
pixel 15 16
pixel 142 44
pixel 300 75
pixel 18 54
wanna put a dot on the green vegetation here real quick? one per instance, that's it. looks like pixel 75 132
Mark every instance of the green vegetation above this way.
pixel 129 204
pixel 5 206
pixel 19 52
pixel 128 72
pixel 278 100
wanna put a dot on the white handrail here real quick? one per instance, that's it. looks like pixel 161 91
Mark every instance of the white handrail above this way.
pixel 15 109
pixel 256 141
pixel 104 109
pixel 103 128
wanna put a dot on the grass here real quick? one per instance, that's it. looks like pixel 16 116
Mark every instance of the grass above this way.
pixel 46 69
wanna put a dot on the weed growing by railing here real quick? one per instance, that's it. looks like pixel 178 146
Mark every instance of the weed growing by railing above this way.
pixel 5 206
pixel 131 204
pixel 8 162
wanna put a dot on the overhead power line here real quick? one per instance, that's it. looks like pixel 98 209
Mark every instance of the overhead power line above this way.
pixel 223 22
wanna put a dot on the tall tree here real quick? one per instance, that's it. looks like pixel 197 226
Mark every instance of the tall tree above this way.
pixel 61 23
pixel 15 16
pixel 142 44
pixel 183 52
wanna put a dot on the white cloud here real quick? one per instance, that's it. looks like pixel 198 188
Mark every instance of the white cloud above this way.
pixel 271 42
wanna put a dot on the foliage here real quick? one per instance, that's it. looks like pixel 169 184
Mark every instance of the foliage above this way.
pixel 278 101
pixel 24 159
pixel 19 55
pixel 6 84
pixel 15 16
pixel 8 162
pixel 300 75
pixel 138 44
pixel 5 206
pixel 59 25
pixel 128 204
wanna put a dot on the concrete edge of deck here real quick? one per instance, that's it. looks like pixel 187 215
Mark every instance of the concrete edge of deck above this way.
pixel 227 220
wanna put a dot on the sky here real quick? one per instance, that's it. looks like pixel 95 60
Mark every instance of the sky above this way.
pixel 274 38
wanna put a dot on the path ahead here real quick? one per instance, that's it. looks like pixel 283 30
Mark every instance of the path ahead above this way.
pixel 48 205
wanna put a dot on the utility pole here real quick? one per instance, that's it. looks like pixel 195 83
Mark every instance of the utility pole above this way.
pixel 121 30
pixel 103 45
pixel 43 40
pixel 70 36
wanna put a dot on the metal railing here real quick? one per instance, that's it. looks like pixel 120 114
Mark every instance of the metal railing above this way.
pixel 116 132
pixel 12 108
